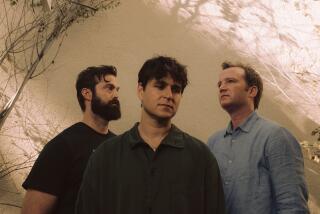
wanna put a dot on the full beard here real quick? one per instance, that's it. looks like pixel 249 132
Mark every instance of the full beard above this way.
pixel 108 111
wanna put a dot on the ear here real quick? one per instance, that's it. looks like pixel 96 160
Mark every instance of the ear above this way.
pixel 253 91
pixel 140 91
pixel 87 94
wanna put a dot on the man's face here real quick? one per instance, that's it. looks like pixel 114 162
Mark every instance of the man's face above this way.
pixel 105 101
pixel 233 90
pixel 160 98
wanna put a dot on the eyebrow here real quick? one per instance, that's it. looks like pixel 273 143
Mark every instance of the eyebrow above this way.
pixel 228 78
pixel 108 83
pixel 163 81
pixel 160 80
pixel 225 79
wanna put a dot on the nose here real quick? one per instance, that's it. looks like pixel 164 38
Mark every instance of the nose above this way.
pixel 168 92
pixel 222 87
pixel 116 93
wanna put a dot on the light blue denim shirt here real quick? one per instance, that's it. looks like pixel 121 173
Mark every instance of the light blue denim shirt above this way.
pixel 262 168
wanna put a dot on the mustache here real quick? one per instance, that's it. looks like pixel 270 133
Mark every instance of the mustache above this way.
pixel 114 101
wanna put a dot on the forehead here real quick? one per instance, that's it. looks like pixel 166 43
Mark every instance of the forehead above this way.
pixel 107 79
pixel 233 72
pixel 167 79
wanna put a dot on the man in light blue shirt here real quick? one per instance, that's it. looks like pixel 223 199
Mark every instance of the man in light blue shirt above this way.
pixel 260 162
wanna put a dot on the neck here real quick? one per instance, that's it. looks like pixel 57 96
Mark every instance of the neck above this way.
pixel 153 131
pixel 95 122
pixel 239 116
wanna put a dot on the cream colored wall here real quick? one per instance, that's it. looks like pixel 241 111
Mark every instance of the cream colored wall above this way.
pixel 133 32
pixel 126 37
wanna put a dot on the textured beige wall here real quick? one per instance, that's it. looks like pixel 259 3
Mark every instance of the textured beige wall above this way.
pixel 126 37
pixel 133 32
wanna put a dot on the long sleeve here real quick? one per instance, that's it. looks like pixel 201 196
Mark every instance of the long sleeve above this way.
pixel 214 197
pixel 285 160
pixel 88 196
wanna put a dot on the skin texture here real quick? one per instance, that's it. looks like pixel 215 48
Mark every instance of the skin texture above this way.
pixel 160 100
pixel 235 96
pixel 36 202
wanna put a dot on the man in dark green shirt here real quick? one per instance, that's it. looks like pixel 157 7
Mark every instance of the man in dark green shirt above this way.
pixel 154 167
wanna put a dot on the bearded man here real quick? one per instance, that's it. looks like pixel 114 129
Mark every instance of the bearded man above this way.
pixel 54 180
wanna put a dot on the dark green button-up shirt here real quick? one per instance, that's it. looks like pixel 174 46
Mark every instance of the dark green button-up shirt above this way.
pixel 125 176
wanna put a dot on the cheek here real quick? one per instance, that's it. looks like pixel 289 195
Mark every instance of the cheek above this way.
pixel 107 97
pixel 149 98
pixel 177 100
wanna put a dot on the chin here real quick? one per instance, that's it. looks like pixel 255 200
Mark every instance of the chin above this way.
pixel 165 116
pixel 225 104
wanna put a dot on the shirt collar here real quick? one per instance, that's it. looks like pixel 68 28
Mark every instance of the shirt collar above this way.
pixel 173 139
pixel 245 126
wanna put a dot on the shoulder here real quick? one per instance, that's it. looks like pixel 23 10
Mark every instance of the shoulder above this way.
pixel 267 125
pixel 273 129
pixel 195 144
pixel 60 139
pixel 69 131
pixel 278 137
pixel 58 145
pixel 188 139
pixel 74 130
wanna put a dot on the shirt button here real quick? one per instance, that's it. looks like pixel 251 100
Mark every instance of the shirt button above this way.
pixel 226 182
pixel 230 161
pixel 232 141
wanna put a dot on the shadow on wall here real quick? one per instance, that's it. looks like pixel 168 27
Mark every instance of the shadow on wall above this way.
pixel 132 33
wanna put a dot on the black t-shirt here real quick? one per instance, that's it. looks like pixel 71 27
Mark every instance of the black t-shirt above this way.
pixel 60 165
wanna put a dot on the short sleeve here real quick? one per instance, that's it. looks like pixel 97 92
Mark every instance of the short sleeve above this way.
pixel 49 171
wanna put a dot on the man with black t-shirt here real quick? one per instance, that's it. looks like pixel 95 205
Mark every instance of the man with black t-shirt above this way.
pixel 53 183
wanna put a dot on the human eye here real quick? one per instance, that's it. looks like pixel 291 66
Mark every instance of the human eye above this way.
pixel 219 84
pixel 110 87
pixel 176 89
pixel 231 80
pixel 160 85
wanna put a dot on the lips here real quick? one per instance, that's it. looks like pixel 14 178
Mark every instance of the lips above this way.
pixel 166 105
pixel 114 102
pixel 223 95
